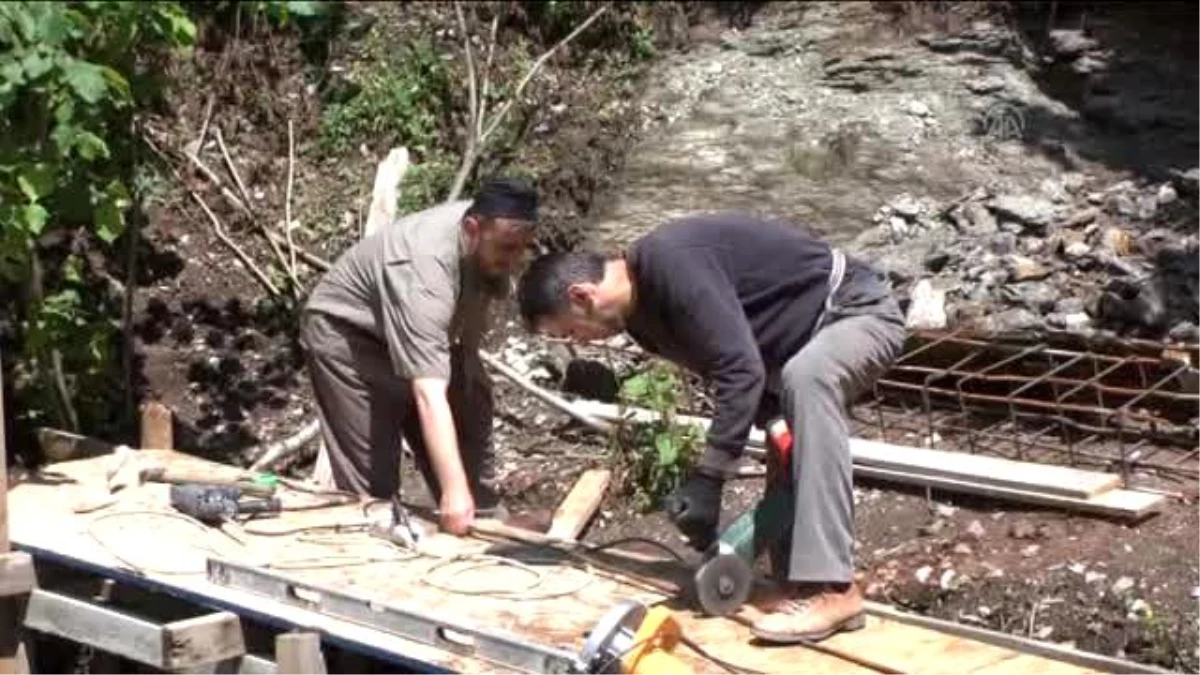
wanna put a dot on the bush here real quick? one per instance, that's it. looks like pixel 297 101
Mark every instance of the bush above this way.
pixel 657 454
pixel 72 77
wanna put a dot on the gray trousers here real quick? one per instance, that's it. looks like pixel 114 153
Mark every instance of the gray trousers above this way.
pixel 366 412
pixel 859 338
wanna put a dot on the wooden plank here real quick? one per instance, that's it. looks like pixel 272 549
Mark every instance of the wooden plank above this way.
pixel 204 639
pixel 1023 476
pixel 62 446
pixel 580 504
pixel 1025 663
pixel 1052 653
pixel 99 627
pixel 299 653
pixel 157 431
pixel 17 576
pixel 910 649
pixel 1059 480
pixel 1124 504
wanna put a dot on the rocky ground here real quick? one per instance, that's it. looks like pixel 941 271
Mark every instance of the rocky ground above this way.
pixel 1005 183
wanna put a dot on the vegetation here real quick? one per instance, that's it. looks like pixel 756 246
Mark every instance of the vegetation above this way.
pixel 659 453
pixel 72 80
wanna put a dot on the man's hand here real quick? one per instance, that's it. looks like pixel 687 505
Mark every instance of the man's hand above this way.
pixel 695 509
pixel 456 511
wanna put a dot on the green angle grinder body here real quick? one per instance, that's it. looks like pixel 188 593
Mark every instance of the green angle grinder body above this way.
pixel 723 582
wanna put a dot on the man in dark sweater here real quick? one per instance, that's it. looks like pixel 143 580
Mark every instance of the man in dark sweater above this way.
pixel 782 324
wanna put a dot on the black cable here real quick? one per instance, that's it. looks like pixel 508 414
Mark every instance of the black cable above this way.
pixel 704 654
pixel 595 548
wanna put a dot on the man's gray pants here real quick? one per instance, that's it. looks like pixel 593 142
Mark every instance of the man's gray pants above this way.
pixel 366 411
pixel 860 336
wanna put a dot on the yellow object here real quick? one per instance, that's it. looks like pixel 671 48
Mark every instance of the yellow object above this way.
pixel 656 638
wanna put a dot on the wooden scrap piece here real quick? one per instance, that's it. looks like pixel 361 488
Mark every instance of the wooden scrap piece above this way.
pixel 580 504
pixel 157 432
pixel 299 653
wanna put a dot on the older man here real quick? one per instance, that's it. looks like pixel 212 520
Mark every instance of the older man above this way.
pixel 783 324
pixel 392 335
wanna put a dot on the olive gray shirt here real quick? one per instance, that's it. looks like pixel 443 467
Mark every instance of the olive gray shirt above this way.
pixel 410 286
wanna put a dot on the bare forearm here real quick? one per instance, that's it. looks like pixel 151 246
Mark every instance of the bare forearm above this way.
pixel 437 427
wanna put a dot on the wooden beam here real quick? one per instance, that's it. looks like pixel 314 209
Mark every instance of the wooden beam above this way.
pixel 580 504
pixel 299 653
pixel 1059 480
pixel 174 646
pixel 63 446
pixel 1123 504
pixel 210 638
pixel 157 432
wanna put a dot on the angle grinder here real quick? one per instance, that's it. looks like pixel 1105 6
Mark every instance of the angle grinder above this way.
pixel 723 582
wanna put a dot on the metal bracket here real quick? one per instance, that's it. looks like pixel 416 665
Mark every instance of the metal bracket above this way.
pixel 17 576
pixel 499 649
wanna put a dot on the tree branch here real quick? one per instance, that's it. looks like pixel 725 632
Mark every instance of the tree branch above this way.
pixel 537 65
pixel 219 230
pixel 287 204
pixel 487 77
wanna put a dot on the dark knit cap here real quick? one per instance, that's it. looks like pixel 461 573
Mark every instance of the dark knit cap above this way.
pixel 506 198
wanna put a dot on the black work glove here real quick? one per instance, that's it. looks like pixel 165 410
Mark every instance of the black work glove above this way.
pixel 695 508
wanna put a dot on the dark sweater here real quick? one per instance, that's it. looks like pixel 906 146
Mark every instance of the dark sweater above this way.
pixel 730 296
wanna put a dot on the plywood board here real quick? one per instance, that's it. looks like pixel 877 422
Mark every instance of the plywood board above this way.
pixel 557 611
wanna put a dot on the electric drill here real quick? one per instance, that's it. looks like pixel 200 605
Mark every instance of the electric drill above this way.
pixel 723 581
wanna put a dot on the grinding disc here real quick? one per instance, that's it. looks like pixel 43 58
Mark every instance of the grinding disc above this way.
pixel 723 584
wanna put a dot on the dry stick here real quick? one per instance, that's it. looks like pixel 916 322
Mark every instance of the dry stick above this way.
pixel 287 204
pixel 237 179
pixel 473 122
pixel 219 229
pixel 544 395
pixel 487 76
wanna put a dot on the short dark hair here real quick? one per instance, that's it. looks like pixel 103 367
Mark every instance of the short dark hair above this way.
pixel 542 290
pixel 505 198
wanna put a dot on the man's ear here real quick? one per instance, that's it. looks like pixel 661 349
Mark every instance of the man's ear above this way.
pixel 471 225
pixel 580 296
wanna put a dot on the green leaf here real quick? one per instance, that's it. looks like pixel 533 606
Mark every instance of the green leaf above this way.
pixel 12 72
pixel 117 82
pixel 668 449
pixel 36 65
pixel 35 216
pixel 73 269
pixel 109 212
pixel 90 146
pixel 183 31
pixel 36 180
pixel 307 8
pixel 87 80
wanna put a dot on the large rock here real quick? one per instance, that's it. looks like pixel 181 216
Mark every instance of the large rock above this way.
pixel 1070 43
pixel 927 307
pixel 1035 213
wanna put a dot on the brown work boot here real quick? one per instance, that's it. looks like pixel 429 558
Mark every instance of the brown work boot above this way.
pixel 809 613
